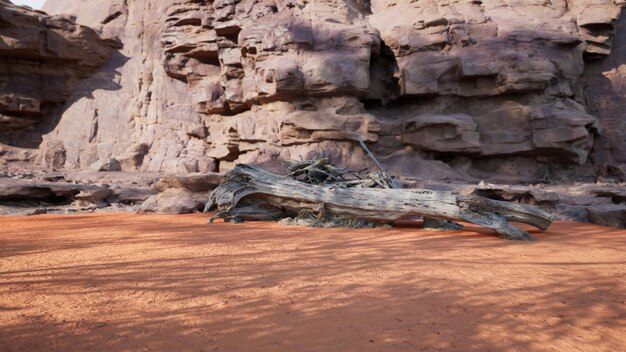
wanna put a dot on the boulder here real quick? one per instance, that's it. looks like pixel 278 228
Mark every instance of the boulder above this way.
pixel 97 197
pixel 106 165
pixel 131 195
pixel 32 193
pixel 613 215
pixel 194 183
pixel 173 201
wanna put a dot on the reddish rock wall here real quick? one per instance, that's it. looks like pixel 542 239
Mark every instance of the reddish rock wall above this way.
pixel 605 93
pixel 447 90
pixel 41 60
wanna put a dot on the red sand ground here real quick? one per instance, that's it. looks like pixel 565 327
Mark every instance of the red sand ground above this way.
pixel 125 282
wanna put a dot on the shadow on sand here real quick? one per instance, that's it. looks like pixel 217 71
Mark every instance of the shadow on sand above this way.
pixel 167 283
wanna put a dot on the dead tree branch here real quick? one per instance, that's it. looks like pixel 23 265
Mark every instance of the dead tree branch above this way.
pixel 250 193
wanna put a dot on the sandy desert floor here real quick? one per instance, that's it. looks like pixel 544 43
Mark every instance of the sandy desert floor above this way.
pixel 126 282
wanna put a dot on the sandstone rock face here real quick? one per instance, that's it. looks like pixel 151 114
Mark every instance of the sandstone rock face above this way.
pixel 42 59
pixel 605 93
pixel 613 215
pixel 513 66
pixel 234 54
pixel 472 89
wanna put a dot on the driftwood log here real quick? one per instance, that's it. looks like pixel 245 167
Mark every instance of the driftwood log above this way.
pixel 250 193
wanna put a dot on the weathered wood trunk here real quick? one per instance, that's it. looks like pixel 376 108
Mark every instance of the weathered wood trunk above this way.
pixel 252 193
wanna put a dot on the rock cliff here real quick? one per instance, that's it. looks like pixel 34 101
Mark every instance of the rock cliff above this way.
pixel 605 95
pixel 495 89
pixel 42 59
pixel 503 90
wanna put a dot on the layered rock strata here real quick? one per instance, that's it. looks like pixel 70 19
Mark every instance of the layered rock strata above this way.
pixel 605 95
pixel 456 89
pixel 42 59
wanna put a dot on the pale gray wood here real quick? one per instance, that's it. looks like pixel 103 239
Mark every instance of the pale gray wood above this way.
pixel 262 193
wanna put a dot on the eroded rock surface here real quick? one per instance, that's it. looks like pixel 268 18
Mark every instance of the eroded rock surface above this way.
pixel 456 91
pixel 605 94
pixel 482 86
pixel 42 58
